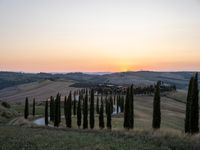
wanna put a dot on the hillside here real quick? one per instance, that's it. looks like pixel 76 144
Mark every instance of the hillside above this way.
pixel 180 79
pixel 41 90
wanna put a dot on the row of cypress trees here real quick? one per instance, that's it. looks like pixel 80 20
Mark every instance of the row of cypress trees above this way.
pixel 191 118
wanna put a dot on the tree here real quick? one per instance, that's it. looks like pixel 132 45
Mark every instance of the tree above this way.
pixel 52 111
pixel 59 108
pixel 192 107
pixel 85 111
pixel 74 104
pixel 46 113
pixel 79 115
pixel 117 104
pixel 122 103
pixel 188 107
pixel 57 115
pixel 69 111
pixel 26 109
pixel 109 113
pixel 65 109
pixel 97 105
pixel 195 106
pixel 126 112
pixel 131 107
pixel 101 115
pixel 92 122
pixel 33 112
pixel 156 108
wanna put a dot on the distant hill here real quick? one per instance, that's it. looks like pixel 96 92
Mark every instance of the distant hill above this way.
pixel 180 79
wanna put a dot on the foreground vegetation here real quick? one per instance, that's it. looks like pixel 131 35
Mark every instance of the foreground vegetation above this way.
pixel 13 137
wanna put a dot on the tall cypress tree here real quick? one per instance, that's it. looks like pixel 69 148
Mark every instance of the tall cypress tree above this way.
pixel 56 117
pixel 92 121
pixel 26 109
pixel 122 103
pixel 65 109
pixel 156 108
pixel 188 107
pixel 131 105
pixel 97 105
pixel 126 112
pixel 33 112
pixel 79 115
pixel 194 120
pixel 46 113
pixel 85 111
pixel 106 104
pixel 109 113
pixel 74 104
pixel 52 111
pixel 117 104
pixel 59 108
pixel 69 111
pixel 101 115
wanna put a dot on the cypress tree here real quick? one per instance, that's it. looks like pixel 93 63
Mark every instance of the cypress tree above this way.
pixel 117 104
pixel 131 105
pixel 26 109
pixel 74 104
pixel 52 111
pixel 111 104
pixel 59 108
pixel 106 102
pixel 56 117
pixel 79 117
pixel 122 103
pixel 101 115
pixel 188 107
pixel 33 112
pixel 156 108
pixel 85 111
pixel 69 111
pixel 92 121
pixel 109 113
pixel 194 120
pixel 46 113
pixel 114 99
pixel 97 105
pixel 126 112
pixel 65 109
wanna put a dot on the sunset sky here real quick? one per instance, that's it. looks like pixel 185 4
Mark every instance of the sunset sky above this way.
pixel 99 35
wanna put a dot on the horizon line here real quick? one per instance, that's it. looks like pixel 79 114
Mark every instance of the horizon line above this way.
pixel 100 72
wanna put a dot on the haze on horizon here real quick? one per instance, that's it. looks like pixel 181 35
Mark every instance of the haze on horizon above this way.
pixel 99 36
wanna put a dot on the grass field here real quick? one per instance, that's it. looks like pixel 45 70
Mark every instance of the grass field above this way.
pixel 13 137
pixel 171 135
pixel 40 90
pixel 172 111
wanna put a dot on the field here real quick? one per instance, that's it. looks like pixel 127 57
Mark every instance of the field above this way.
pixel 12 137
pixel 172 112
pixel 17 133
pixel 40 90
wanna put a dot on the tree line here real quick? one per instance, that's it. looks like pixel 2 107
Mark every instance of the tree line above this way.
pixel 82 105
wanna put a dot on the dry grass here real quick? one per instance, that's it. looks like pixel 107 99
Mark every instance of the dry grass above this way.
pixel 39 90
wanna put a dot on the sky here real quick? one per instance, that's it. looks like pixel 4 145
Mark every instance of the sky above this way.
pixel 99 35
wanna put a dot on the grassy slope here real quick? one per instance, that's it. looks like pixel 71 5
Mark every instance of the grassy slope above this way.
pixel 40 90
pixel 173 113
pixel 12 137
